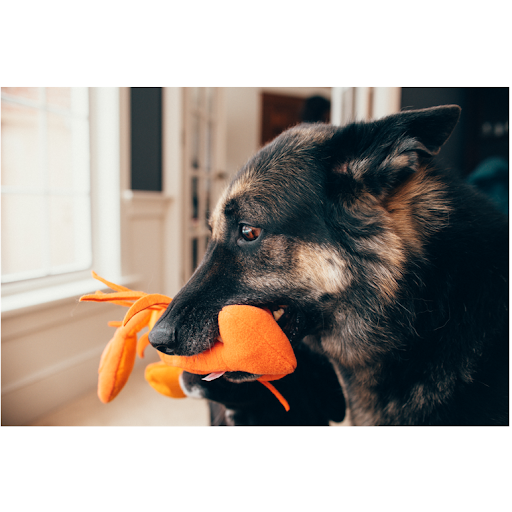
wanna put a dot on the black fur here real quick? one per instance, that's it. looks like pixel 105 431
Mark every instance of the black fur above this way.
pixel 394 270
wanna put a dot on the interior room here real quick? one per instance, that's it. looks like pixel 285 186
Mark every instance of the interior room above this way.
pixel 121 181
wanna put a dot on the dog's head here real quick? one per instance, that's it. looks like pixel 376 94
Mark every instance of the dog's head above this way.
pixel 312 215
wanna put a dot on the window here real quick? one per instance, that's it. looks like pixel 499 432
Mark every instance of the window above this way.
pixel 46 199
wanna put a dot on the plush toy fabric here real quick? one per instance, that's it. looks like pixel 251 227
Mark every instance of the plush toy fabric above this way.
pixel 250 341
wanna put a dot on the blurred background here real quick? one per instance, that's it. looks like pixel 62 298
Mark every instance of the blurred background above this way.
pixel 122 180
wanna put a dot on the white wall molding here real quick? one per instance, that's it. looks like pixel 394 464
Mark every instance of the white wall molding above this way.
pixel 152 205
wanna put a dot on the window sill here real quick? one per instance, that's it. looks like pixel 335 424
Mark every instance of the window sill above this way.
pixel 53 296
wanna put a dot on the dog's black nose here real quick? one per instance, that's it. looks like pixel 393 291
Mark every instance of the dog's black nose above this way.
pixel 160 337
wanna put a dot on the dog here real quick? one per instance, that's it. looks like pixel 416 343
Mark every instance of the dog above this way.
pixel 394 270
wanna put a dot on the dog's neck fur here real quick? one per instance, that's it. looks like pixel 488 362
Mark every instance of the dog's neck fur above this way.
pixel 403 371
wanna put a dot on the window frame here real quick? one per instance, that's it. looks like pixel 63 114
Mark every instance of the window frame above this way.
pixel 105 142
pixel 76 116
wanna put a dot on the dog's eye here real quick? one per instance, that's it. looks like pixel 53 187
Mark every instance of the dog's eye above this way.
pixel 249 233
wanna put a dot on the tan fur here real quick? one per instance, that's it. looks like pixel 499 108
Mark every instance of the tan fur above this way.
pixel 397 161
pixel 322 269
pixel 216 219
pixel 388 246
pixel 359 167
pixel 418 206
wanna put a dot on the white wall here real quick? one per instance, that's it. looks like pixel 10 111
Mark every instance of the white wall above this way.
pixel 243 113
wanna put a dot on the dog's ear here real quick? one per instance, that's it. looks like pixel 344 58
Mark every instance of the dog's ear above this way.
pixel 430 127
pixel 377 156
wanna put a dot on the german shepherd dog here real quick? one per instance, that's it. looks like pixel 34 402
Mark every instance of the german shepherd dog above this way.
pixel 395 271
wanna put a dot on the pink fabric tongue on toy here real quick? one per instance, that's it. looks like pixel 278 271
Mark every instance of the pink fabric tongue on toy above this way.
pixel 213 376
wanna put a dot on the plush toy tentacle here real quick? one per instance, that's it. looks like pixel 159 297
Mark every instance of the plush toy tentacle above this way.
pixel 152 301
pixel 114 297
pixel 138 322
pixel 112 286
pixel 105 297
pixel 276 393
pixel 142 344
pixel 122 296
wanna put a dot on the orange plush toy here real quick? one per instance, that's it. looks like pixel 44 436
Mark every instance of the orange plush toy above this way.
pixel 250 341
